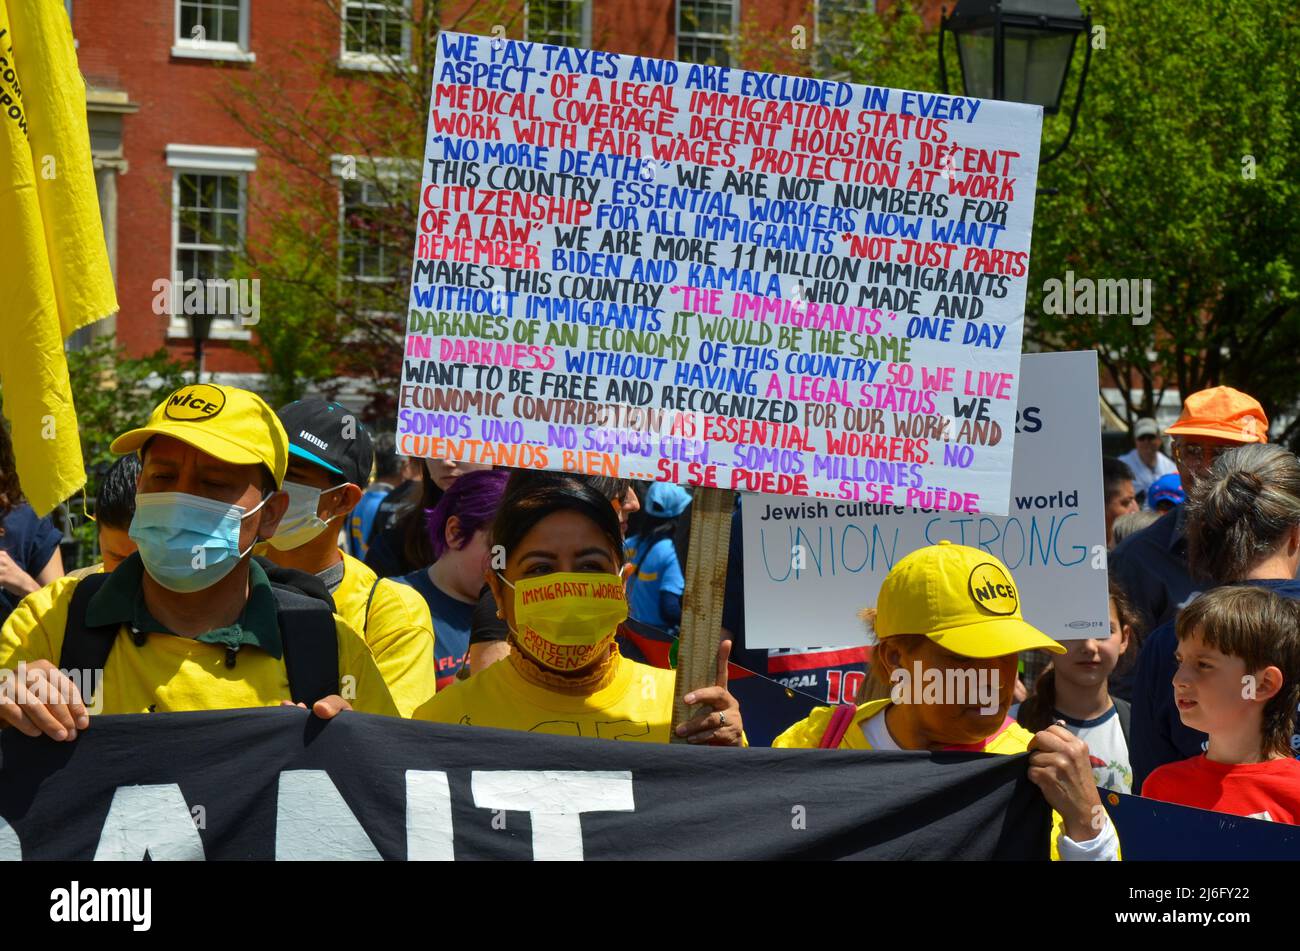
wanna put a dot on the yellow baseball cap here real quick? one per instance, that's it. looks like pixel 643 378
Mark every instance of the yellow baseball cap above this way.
pixel 228 423
pixel 963 599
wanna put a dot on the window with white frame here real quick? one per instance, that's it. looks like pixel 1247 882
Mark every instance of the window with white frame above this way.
pixel 376 33
pixel 365 254
pixel 706 31
pixel 212 29
pixel 374 245
pixel 209 205
pixel 836 21
pixel 558 22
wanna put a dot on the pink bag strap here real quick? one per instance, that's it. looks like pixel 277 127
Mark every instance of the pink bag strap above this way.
pixel 841 718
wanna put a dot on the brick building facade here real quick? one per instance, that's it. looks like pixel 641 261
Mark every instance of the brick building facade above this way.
pixel 178 176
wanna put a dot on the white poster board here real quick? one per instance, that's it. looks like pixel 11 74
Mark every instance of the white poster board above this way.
pixel 713 276
pixel 1054 541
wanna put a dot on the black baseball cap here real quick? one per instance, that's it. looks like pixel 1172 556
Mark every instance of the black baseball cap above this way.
pixel 328 435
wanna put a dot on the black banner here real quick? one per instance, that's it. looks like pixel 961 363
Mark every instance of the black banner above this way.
pixel 279 784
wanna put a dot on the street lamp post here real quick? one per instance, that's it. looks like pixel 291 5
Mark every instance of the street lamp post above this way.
pixel 1020 51
pixel 200 332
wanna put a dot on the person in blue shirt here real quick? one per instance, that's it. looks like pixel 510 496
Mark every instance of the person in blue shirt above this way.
pixel 1243 527
pixel 29 545
pixel 388 473
pixel 656 585
pixel 1166 493
pixel 458 529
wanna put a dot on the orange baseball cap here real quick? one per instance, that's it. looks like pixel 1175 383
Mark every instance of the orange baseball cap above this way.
pixel 1222 413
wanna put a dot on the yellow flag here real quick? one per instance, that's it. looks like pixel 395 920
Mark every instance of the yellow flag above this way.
pixel 53 261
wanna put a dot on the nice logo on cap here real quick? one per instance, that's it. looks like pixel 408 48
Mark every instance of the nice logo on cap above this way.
pixel 992 590
pixel 195 402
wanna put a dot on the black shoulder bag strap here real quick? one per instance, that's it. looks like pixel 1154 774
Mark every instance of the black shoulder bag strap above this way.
pixel 365 623
pixel 307 632
pixel 311 646
pixel 1125 713
pixel 85 647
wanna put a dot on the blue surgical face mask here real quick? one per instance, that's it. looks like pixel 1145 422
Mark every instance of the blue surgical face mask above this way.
pixel 187 542
pixel 300 523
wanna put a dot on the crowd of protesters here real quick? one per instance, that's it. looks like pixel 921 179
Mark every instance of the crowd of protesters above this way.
pixel 251 557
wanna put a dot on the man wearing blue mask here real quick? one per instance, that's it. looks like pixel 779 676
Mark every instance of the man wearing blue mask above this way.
pixel 330 456
pixel 190 621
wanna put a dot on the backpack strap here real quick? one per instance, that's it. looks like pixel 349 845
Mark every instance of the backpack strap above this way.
pixel 841 717
pixel 310 639
pixel 306 630
pixel 1125 713
pixel 85 647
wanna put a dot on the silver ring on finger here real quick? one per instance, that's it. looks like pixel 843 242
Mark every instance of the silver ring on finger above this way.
pixel 722 718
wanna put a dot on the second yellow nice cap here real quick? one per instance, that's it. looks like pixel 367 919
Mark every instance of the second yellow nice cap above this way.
pixel 963 599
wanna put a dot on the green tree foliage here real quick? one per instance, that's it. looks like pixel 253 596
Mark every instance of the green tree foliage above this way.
pixel 113 393
pixel 1183 171
pixel 337 218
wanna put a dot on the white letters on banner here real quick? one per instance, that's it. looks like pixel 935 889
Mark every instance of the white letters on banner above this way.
pixel 315 823
pixel 149 819
pixel 555 800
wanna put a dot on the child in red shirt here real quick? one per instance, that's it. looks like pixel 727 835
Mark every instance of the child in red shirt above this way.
pixel 1238 680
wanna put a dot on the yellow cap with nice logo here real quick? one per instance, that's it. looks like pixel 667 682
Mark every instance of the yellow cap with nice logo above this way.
pixel 227 423
pixel 963 599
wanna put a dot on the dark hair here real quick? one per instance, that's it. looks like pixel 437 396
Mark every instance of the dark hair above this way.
pixel 386 464
pixel 613 489
pixel 410 523
pixel 1263 629
pixel 1239 511
pixel 11 493
pixel 1127 613
pixel 1038 710
pixel 1113 472
pixel 531 496
pixel 115 498
pixel 472 499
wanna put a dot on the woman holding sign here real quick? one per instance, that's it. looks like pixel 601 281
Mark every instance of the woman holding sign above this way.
pixel 557 554
pixel 949 629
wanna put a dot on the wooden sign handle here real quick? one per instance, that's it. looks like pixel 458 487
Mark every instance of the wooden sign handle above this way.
pixel 706 585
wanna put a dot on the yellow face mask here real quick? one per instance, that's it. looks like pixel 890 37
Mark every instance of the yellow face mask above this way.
pixel 566 620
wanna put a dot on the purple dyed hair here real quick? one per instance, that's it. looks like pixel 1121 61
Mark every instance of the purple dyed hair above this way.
pixel 473 498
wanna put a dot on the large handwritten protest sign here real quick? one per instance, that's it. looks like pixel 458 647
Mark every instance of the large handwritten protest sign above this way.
pixel 628 266
pixel 835 554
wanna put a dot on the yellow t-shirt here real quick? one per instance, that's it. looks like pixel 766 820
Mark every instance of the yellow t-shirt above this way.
pixel 398 631
pixel 637 704
pixel 170 673
pixel 808 732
